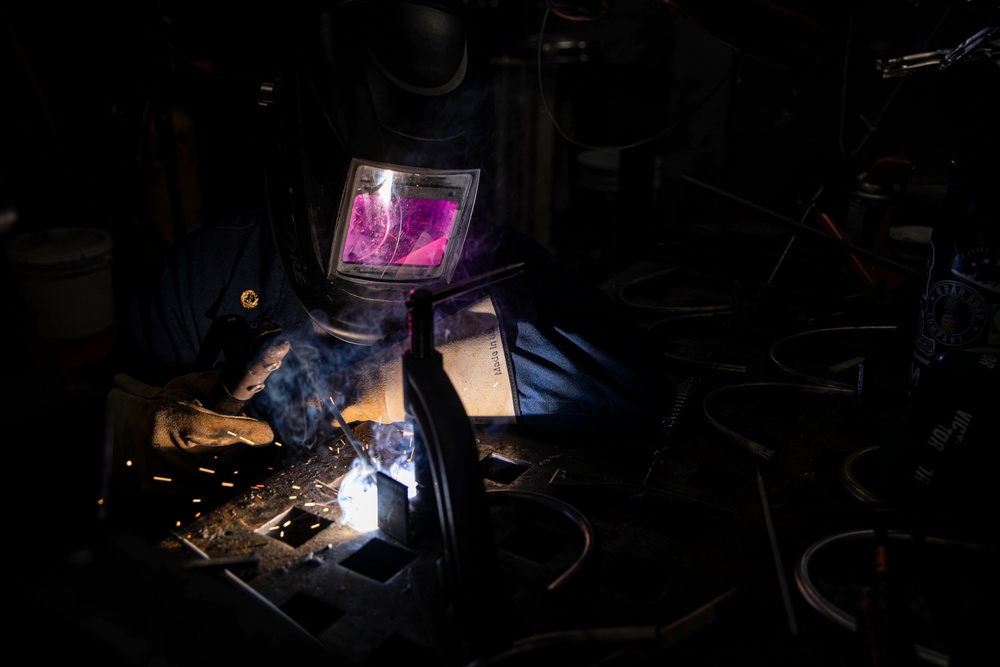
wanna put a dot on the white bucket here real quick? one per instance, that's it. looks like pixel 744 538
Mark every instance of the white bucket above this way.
pixel 64 278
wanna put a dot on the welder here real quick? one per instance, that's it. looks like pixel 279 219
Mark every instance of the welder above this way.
pixel 378 131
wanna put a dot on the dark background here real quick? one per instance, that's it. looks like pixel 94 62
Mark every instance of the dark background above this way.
pixel 139 118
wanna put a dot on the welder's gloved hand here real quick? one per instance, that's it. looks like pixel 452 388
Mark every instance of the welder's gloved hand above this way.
pixel 473 357
pixel 153 425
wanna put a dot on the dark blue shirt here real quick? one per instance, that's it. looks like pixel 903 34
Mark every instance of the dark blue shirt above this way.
pixel 578 362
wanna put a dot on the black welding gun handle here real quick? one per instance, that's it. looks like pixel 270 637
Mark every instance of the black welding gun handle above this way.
pixel 231 394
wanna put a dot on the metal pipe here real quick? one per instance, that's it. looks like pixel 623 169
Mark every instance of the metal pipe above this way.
pixel 521 498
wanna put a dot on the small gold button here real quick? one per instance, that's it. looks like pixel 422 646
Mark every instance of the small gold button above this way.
pixel 249 299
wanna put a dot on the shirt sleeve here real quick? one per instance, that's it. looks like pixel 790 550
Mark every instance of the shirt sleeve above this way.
pixel 165 326
pixel 579 360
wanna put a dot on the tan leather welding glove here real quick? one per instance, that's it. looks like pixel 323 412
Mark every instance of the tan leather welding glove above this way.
pixel 473 357
pixel 154 425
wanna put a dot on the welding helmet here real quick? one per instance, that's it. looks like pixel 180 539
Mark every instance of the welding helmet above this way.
pixel 380 120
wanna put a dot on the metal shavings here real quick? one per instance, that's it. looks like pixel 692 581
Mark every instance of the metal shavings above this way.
pixel 846 365
pixel 244 439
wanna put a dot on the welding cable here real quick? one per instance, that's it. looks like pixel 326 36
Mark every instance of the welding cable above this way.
pixel 712 398
pixel 640 643
pixel 518 498
pixel 640 634
pixel 777 346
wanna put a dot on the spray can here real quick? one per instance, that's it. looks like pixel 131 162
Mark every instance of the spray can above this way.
pixel 870 209
pixel 874 201
pixel 960 306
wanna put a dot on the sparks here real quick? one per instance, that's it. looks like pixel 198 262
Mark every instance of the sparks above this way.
pixel 208 470
pixel 162 479
pixel 227 484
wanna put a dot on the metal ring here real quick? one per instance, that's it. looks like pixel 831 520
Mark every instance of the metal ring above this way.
pixel 850 480
pixel 810 591
pixel 515 497
pixel 815 333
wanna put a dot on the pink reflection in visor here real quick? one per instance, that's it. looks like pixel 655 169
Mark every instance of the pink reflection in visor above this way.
pixel 402 230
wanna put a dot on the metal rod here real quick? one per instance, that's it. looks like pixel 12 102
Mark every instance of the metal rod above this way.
pixel 358 446
pixel 786 596
pixel 476 282
pixel 814 233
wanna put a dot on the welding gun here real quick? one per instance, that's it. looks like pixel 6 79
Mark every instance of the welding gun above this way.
pixel 251 355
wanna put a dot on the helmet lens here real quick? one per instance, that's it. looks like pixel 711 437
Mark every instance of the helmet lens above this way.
pixel 386 230
pixel 401 224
